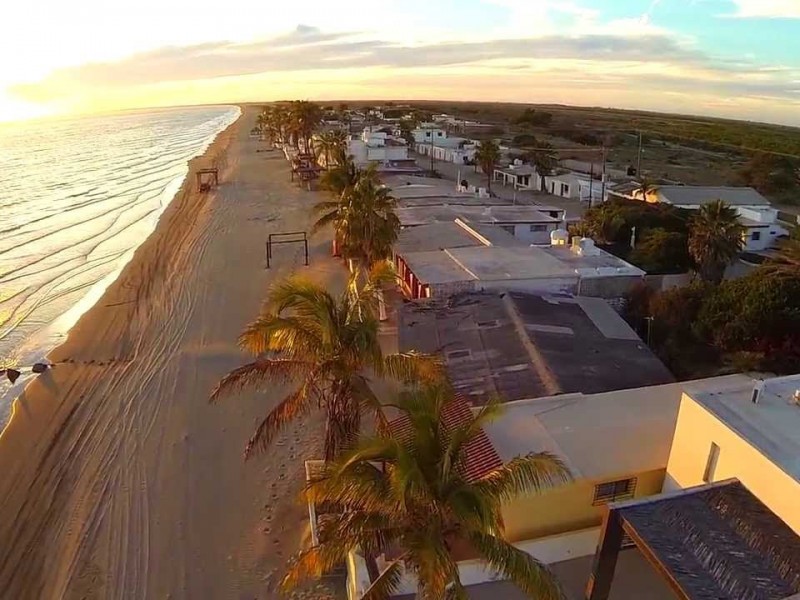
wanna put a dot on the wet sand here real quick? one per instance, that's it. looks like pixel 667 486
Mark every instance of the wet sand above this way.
pixel 119 480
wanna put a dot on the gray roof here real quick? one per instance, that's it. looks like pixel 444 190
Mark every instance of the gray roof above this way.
pixel 418 215
pixel 435 267
pixel 772 425
pixel 434 236
pixel 579 345
pixel 695 195
pixel 518 170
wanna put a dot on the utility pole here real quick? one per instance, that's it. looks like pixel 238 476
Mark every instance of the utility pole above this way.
pixel 639 158
pixel 591 183
pixel 603 189
pixel 431 153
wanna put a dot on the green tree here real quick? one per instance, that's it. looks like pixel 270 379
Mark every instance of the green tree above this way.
pixel 330 144
pixel 787 256
pixel 544 159
pixel 305 117
pixel 324 345
pixel 364 219
pixel 716 238
pixel 408 495
pixel 487 156
pixel 661 251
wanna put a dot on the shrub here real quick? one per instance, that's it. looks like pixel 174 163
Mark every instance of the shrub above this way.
pixel 661 251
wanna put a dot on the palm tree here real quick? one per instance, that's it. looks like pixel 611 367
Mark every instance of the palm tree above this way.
pixel 409 495
pixel 332 144
pixel 487 156
pixel 305 118
pixel 364 219
pixel 324 345
pixel 716 238
pixel 345 174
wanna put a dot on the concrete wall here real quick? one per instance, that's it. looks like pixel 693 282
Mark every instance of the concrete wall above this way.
pixel 568 508
pixel 696 430
pixel 523 232
pixel 442 290
pixel 607 287
pixel 548 550
pixel 546 286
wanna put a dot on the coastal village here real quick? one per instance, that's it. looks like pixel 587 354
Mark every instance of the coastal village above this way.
pixel 386 351
pixel 558 452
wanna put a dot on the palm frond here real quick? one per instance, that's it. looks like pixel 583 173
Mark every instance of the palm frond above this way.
pixel 524 475
pixel 293 406
pixel 292 336
pixel 412 366
pixel 387 582
pixel 531 576
pixel 316 562
pixel 260 372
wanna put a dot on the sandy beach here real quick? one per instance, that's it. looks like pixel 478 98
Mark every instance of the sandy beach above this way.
pixel 119 480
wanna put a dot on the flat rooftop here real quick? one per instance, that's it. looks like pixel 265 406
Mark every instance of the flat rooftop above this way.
pixel 599 436
pixel 435 267
pixel 420 215
pixel 772 425
pixel 434 236
pixel 521 346
pixel 697 195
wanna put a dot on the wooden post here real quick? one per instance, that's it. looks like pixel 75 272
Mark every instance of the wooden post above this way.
pixel 605 559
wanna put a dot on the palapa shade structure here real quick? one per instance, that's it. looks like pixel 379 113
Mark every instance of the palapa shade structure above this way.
pixel 713 542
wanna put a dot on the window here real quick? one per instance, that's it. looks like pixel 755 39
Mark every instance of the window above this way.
pixel 711 463
pixel 456 354
pixel 622 489
pixel 538 228
pixel 508 228
pixel 564 189
pixel 439 133
pixel 756 236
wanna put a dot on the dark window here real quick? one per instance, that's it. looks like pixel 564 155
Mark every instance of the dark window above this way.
pixel 622 489
pixel 456 354
pixel 538 228
pixel 554 214
pixel 756 236
pixel 564 189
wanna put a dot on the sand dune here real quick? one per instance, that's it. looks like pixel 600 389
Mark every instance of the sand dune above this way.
pixel 119 480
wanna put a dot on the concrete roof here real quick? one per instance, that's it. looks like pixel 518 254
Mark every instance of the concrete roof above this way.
pixel 435 267
pixel 771 426
pixel 418 215
pixel 602 263
pixel 434 236
pixel 521 346
pixel 518 170
pixel 600 436
pixel 509 264
pixel 571 178
pixel 696 195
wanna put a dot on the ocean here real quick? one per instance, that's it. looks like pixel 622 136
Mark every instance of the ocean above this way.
pixel 77 196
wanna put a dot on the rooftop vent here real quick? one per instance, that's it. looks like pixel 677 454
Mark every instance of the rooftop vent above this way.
pixel 758 388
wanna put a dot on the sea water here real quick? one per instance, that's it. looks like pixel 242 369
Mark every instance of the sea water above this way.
pixel 77 196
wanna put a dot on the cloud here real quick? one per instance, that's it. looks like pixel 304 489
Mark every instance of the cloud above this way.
pixel 309 48
pixel 769 9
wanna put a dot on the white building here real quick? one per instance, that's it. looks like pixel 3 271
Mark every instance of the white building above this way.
pixel 377 147
pixel 430 140
pixel 755 212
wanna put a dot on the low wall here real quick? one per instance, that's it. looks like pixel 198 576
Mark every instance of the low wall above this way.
pixel 548 550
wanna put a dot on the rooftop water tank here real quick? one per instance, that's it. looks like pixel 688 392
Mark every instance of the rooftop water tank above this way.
pixel 559 237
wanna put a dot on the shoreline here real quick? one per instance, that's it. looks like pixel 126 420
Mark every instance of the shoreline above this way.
pixel 41 346
pixel 119 479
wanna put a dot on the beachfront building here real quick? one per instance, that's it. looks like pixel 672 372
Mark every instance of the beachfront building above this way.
pixel 518 175
pixel 376 147
pixel 442 259
pixel 526 223
pixel 684 490
pixel 756 214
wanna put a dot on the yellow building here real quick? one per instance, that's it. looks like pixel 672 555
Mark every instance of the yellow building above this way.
pixel 743 429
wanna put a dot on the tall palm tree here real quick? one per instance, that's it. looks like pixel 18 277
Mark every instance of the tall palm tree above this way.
pixel 345 174
pixel 716 238
pixel 324 345
pixel 332 144
pixel 364 219
pixel 409 495
pixel 487 156
pixel 305 117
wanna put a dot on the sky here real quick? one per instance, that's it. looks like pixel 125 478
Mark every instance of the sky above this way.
pixel 728 58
